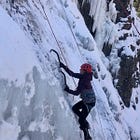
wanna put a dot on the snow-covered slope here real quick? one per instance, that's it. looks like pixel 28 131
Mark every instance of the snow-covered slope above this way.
pixel 33 105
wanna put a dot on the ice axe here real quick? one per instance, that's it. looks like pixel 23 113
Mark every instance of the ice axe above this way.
pixel 52 50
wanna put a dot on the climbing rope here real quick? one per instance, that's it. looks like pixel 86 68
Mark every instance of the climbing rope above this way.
pixel 62 51
pixel 136 28
pixel 38 9
pixel 55 38
pixel 75 40
pixel 79 51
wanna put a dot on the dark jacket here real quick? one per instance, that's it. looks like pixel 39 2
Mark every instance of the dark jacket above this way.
pixel 84 85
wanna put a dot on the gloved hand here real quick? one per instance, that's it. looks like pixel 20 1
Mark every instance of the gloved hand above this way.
pixel 66 88
pixel 62 65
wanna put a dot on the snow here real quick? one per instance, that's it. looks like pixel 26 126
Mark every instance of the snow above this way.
pixel 132 120
pixel 33 105
pixel 17 58
pixel 112 11
pixel 25 138
pixel 8 131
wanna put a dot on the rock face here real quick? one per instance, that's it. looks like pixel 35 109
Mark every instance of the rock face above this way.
pixel 122 6
pixel 126 79
pixel 85 9
pixel 128 73
pixel 107 48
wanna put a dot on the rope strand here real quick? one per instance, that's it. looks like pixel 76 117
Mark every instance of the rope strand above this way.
pixel 75 40
pixel 62 52
pixel 55 38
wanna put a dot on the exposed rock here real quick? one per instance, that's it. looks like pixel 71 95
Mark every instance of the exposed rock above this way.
pixel 85 9
pixel 131 19
pixel 107 49
pixel 132 48
pixel 128 75
pixel 121 6
pixel 138 42
pixel 120 51
pixel 134 106
pixel 127 26
pixel 125 78
pixel 123 37
pixel 136 100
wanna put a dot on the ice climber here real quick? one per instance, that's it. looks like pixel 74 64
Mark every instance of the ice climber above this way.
pixel 85 90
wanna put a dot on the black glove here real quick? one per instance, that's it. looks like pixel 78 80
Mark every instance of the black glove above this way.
pixel 66 88
pixel 62 65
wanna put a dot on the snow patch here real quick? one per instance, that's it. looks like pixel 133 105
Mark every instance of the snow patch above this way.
pixel 16 56
pixel 8 131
